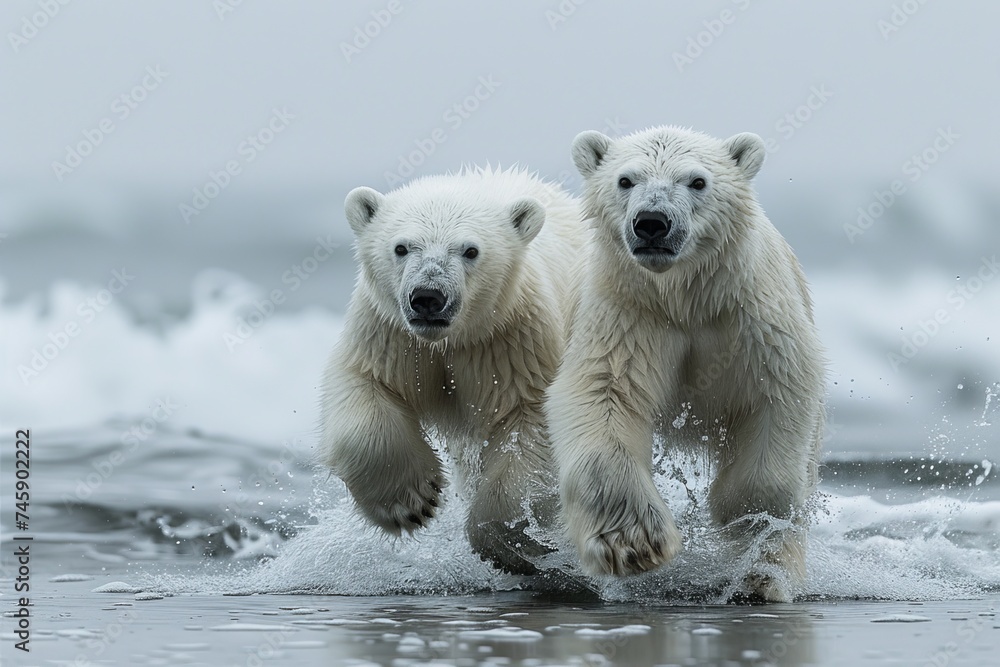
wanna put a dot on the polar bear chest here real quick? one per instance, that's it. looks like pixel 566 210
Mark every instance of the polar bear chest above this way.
pixel 449 388
pixel 709 365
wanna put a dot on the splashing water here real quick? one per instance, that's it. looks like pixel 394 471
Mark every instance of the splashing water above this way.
pixel 858 548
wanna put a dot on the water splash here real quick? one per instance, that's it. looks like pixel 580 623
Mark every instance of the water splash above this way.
pixel 858 548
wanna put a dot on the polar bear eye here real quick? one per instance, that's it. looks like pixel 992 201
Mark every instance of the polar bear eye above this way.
pixel 401 250
pixel 471 253
pixel 625 183
pixel 698 184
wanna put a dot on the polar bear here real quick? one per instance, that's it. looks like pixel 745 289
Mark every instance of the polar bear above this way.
pixel 692 305
pixel 455 328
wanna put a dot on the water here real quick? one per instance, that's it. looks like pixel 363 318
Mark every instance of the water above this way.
pixel 267 521
pixel 197 549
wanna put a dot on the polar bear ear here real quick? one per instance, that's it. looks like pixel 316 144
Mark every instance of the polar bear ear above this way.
pixel 588 151
pixel 361 206
pixel 527 215
pixel 748 150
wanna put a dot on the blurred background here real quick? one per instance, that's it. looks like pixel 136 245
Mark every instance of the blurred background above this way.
pixel 174 255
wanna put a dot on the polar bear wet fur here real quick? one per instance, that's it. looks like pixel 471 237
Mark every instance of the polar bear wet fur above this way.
pixel 456 327
pixel 691 301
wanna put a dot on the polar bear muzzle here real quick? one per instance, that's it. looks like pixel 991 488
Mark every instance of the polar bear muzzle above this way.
pixel 430 312
pixel 656 240
pixel 651 227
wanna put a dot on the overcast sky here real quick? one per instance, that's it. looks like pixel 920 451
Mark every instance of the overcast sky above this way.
pixel 879 96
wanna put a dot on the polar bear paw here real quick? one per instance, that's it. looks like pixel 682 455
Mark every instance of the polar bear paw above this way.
pixel 769 587
pixel 400 505
pixel 636 543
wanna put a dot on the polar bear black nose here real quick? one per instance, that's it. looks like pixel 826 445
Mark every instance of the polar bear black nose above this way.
pixel 651 226
pixel 427 302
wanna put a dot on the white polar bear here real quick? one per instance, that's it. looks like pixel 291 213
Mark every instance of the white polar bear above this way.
pixel 456 327
pixel 692 302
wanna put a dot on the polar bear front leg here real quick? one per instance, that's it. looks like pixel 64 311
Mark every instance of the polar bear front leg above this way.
pixel 515 477
pixel 767 470
pixel 374 443
pixel 600 414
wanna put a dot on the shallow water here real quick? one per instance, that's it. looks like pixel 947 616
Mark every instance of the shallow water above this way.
pixel 269 522
pixel 259 557
pixel 498 629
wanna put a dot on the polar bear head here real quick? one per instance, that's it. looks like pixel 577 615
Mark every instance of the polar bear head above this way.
pixel 438 254
pixel 667 196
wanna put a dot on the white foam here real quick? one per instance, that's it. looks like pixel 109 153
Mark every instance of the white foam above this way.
pixel 118 587
pixel 115 368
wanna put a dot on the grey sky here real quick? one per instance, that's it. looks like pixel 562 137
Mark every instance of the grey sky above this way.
pixel 606 61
